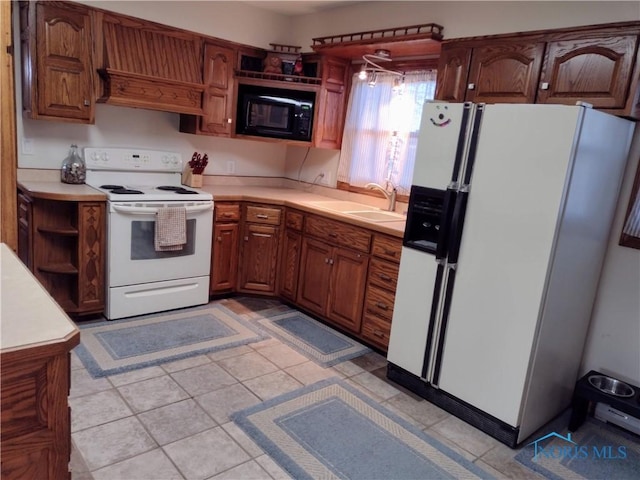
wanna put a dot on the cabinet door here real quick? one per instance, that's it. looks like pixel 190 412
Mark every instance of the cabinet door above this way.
pixel 313 289
pixel 91 255
pixel 505 73
pixel 453 68
pixel 218 97
pixel 597 70
pixel 330 108
pixel 259 258
pixel 347 288
pixel 292 243
pixel 64 70
pixel 224 258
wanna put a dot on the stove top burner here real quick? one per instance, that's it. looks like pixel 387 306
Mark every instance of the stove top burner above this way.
pixel 169 187
pixel 111 187
pixel 126 191
pixel 183 191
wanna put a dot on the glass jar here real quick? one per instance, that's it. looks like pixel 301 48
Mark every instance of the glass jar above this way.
pixel 73 169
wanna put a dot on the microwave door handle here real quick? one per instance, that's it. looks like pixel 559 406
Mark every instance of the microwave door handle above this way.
pixel 154 210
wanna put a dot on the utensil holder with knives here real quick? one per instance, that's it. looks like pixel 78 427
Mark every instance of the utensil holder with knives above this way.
pixel 192 174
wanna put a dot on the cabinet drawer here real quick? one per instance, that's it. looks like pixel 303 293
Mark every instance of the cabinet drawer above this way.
pixel 388 248
pixel 227 212
pixel 379 302
pixel 293 220
pixel 338 233
pixel 266 215
pixel 383 274
pixel 376 330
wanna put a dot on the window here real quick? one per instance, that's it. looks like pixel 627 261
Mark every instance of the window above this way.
pixel 381 129
pixel 631 230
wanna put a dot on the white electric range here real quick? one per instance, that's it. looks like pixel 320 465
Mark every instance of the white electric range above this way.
pixel 141 279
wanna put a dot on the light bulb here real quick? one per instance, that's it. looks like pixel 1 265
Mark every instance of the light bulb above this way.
pixel 363 73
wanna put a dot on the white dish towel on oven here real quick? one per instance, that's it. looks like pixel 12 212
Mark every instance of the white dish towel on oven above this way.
pixel 171 229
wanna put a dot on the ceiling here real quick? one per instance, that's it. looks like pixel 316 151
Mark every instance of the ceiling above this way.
pixel 294 7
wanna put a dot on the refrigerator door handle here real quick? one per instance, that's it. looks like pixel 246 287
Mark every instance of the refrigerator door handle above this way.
pixel 455 237
pixel 433 319
pixel 445 224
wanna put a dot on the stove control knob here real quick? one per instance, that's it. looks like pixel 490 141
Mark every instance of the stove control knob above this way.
pixel 105 157
pixel 165 159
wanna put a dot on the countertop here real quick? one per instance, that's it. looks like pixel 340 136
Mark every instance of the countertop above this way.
pixel 289 197
pixel 29 317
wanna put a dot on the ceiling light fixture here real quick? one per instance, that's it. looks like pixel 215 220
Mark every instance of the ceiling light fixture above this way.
pixel 372 65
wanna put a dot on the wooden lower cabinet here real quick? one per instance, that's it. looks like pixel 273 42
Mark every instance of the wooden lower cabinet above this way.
pixel 381 290
pixel 224 255
pixel 36 433
pixel 290 259
pixel 63 244
pixel 332 282
pixel 259 250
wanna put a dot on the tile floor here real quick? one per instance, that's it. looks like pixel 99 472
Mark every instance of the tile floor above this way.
pixel 172 421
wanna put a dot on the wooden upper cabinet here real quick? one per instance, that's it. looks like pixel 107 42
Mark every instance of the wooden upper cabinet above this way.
pixel 331 103
pixel 597 70
pixel 217 102
pixel 57 67
pixel 505 73
pixel 453 68
pixel 597 64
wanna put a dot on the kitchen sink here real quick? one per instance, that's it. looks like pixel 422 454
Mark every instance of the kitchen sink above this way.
pixel 377 216
pixel 341 206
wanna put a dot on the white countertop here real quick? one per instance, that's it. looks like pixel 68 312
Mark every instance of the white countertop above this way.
pixel 28 315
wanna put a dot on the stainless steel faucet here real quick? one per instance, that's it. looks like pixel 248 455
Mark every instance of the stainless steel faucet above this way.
pixel 391 196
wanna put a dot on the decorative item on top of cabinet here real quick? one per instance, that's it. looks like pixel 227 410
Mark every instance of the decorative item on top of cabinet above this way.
pixel 381 290
pixel 290 261
pixel 217 105
pixel 333 271
pixel 67 255
pixel 259 249
pixel 596 64
pixel 224 258
pixel 57 63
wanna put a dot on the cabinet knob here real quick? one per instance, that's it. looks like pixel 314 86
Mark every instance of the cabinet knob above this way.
pixel 86 103
pixel 544 86
pixel 246 239
pixel 219 239
pixel 385 277
pixel 471 86
pixel 229 120
pixel 382 306
pixel 331 261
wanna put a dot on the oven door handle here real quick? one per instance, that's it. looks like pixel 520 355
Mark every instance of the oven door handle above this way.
pixel 154 210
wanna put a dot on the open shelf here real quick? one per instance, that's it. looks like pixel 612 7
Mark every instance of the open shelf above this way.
pixel 63 231
pixel 60 268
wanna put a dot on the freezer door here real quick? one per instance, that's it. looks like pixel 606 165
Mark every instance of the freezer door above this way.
pixel 412 310
pixel 523 159
pixel 441 143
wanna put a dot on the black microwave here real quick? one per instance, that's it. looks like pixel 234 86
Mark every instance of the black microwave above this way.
pixel 275 112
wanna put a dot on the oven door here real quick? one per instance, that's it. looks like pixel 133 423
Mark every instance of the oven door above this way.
pixel 133 258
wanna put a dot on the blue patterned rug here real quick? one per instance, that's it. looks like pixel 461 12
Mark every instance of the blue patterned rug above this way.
pixel 595 451
pixel 310 434
pixel 110 347
pixel 316 341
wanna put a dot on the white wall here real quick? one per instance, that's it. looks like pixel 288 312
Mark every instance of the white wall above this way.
pixel 461 19
pixel 614 340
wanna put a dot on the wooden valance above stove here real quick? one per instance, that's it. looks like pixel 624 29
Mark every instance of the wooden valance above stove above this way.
pixel 151 66
pixel 411 41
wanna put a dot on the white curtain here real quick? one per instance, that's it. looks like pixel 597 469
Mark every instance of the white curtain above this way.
pixel 381 129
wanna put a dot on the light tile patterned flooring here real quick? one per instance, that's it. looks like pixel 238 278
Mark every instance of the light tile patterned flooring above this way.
pixel 172 421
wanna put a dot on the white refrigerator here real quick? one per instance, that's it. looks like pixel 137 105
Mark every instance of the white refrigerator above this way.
pixel 508 221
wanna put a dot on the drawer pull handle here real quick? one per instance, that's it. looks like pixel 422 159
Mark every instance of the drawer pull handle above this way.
pixel 265 235
pixel 333 234
pixel 227 214
pixel 382 306
pixel 378 333
pixel 391 253
pixel 262 215
pixel 385 277
pixel 219 239
pixel 331 261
